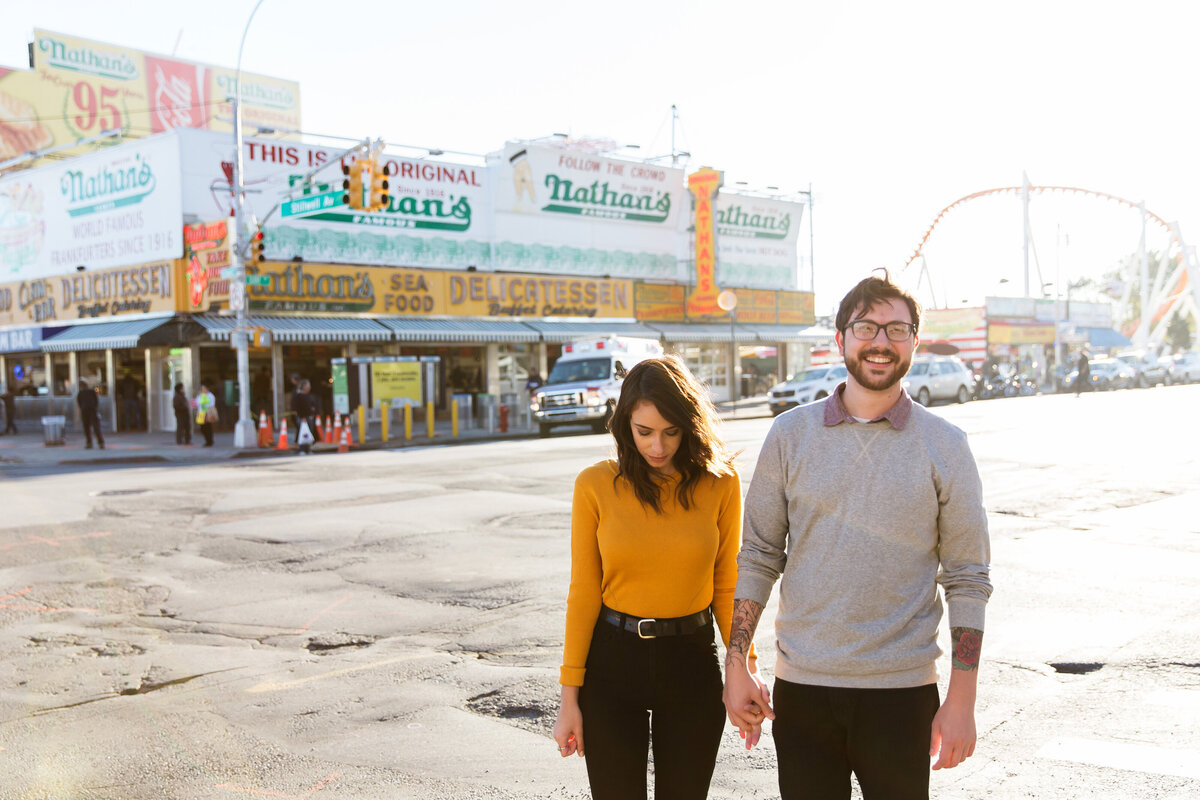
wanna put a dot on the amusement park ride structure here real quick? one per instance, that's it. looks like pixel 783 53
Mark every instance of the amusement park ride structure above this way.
pixel 1159 300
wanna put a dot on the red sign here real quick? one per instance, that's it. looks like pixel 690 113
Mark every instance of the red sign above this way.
pixel 176 99
pixel 704 186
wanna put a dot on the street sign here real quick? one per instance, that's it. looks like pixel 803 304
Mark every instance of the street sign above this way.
pixel 311 204
pixel 258 280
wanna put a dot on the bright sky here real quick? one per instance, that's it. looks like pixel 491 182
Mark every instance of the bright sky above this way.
pixel 891 110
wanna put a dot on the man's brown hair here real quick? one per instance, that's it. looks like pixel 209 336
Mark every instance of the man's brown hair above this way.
pixel 871 291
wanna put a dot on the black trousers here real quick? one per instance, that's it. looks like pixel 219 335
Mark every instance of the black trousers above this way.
pixel 206 430
pixel 91 424
pixel 822 734
pixel 183 428
pixel 669 686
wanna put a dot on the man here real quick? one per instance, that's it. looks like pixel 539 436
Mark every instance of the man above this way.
pixel 1083 375
pixel 10 411
pixel 863 503
pixel 89 413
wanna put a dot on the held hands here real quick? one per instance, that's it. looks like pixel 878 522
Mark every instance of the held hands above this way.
pixel 747 700
pixel 952 737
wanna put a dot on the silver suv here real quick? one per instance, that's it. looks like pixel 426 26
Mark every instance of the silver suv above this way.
pixel 812 384
pixel 938 378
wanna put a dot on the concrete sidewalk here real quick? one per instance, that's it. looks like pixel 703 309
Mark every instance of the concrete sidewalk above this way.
pixel 28 448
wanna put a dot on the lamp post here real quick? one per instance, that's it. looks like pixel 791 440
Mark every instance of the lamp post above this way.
pixel 727 301
pixel 243 433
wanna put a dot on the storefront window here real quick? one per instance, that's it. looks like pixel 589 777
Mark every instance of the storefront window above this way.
pixel 26 374
pixel 708 362
pixel 516 360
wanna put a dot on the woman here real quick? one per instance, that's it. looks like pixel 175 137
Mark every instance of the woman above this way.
pixel 206 413
pixel 654 543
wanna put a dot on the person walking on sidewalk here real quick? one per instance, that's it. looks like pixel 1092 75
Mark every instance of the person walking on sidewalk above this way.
pixel 1083 375
pixel 89 413
pixel 10 411
pixel 206 413
pixel 863 503
pixel 183 416
pixel 654 537
pixel 304 404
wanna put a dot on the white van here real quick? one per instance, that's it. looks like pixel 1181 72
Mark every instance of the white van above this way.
pixel 584 384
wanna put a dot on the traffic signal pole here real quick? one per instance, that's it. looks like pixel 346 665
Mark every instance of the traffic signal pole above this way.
pixel 244 434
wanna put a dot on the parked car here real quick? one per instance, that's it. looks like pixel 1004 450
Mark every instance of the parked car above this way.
pixel 1146 367
pixel 1111 373
pixel 812 384
pixel 1183 368
pixel 933 378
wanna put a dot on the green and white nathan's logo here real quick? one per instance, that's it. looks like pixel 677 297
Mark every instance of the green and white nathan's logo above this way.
pixel 735 221
pixel 103 189
pixel 598 199
pixel 105 63
pixel 404 212
pixel 255 93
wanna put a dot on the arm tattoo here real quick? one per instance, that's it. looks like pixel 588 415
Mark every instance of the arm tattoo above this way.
pixel 741 632
pixel 967 643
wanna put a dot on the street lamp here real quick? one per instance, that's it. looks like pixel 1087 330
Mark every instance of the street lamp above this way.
pixel 243 433
pixel 727 301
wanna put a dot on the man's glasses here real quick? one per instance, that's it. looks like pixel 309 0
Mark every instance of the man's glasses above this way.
pixel 864 330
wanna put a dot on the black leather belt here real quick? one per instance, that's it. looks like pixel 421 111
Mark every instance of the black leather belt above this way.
pixel 650 628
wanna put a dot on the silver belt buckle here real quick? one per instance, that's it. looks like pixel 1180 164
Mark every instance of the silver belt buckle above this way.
pixel 639 629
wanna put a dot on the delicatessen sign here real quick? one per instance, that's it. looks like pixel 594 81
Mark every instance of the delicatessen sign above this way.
pixel 144 289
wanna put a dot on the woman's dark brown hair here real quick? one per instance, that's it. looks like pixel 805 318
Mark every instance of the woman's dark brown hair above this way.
pixel 682 401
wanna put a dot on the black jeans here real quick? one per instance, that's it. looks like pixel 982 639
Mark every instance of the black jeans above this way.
pixel 91 424
pixel 206 429
pixel 823 733
pixel 671 686
pixel 183 428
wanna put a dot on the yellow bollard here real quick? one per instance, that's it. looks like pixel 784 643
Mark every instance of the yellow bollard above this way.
pixel 383 419
pixel 407 421
pixel 429 419
pixel 362 424
pixel 454 419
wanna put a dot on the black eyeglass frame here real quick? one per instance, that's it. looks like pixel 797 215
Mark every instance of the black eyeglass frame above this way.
pixel 910 330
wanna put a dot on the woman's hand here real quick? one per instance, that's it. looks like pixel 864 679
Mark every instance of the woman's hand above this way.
pixel 568 727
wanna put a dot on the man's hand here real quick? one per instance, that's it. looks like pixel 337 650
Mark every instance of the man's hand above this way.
pixel 953 734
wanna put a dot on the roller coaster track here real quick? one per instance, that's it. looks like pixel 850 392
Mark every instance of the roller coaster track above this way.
pixel 1034 190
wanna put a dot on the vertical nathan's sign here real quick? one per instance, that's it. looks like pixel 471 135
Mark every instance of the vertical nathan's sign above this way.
pixel 704 186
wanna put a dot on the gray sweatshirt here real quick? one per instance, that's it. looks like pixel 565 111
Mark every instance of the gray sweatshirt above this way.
pixel 863 520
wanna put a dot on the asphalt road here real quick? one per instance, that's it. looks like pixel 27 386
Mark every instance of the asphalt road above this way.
pixel 388 624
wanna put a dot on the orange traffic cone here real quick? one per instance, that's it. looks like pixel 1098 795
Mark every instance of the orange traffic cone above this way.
pixel 264 432
pixel 320 437
pixel 344 446
pixel 283 442
pixel 337 428
pixel 348 431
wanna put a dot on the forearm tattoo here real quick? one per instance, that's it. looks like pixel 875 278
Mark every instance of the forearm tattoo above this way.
pixel 967 644
pixel 741 630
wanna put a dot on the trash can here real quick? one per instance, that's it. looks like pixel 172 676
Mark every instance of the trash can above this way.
pixel 52 430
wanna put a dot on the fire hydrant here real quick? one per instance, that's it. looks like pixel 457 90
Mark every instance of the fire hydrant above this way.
pixel 504 418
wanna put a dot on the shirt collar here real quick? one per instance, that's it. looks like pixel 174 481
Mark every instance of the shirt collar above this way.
pixel 835 410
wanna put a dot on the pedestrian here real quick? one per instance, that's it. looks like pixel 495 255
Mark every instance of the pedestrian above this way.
pixel 206 413
pixel 183 416
pixel 534 382
pixel 304 405
pixel 10 411
pixel 861 505
pixel 89 413
pixel 1083 375
pixel 654 538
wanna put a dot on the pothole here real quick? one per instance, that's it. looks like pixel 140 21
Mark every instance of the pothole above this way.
pixel 1076 667
pixel 119 492
pixel 337 641
pixel 526 705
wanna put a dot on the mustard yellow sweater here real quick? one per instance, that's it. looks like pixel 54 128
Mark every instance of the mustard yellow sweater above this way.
pixel 647 564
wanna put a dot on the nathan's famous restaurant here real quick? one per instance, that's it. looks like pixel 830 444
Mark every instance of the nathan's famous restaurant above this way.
pixel 115 270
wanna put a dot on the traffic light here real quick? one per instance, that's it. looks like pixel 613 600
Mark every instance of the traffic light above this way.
pixel 352 183
pixel 381 200
pixel 256 247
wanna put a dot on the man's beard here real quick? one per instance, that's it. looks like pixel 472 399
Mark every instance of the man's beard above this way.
pixel 858 367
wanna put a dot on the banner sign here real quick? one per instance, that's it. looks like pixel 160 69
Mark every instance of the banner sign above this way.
pixel 91 294
pixel 208 250
pixel 110 208
pixel 1019 333
pixel 303 288
pixel 941 323
pixel 439 215
pixel 796 308
pixel 396 380
pixel 574 212
pixel 704 186
pixel 20 340
pixel 659 302
pixel 757 241
pixel 665 303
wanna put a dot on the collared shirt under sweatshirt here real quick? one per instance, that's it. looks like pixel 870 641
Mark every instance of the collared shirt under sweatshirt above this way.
pixel 863 521
pixel 647 564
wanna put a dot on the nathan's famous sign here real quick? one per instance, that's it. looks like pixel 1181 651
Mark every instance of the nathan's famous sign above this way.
pixel 704 185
